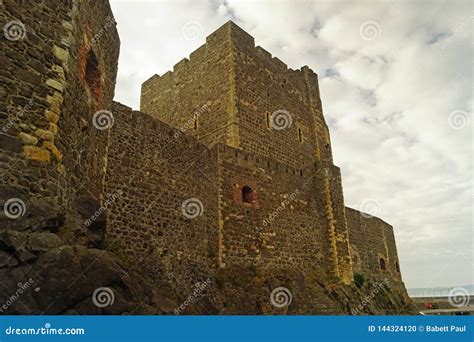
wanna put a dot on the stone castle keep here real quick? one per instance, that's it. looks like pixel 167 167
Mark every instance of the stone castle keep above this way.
pixel 224 177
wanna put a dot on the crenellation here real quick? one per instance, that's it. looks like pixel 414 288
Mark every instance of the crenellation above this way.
pixel 263 52
pixel 281 67
pixel 181 66
pixel 199 54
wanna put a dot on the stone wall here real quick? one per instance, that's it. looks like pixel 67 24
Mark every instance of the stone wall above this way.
pixel 162 215
pixel 372 239
pixel 280 226
pixel 231 88
pixel 329 196
pixel 279 109
pixel 58 68
pixel 238 94
pixel 198 96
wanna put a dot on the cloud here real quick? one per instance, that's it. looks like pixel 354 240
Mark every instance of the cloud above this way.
pixel 391 75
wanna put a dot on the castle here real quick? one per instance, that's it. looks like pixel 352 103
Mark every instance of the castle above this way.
pixel 224 176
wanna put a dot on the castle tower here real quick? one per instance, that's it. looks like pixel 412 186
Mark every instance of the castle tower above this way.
pixel 234 93
pixel 59 67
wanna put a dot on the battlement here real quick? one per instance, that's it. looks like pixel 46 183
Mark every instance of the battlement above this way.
pixel 232 34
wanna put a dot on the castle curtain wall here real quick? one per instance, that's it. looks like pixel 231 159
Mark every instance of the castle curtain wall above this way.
pixel 152 171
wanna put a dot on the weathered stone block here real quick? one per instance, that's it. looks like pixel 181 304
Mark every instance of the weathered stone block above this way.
pixel 44 134
pixel 28 139
pixel 54 150
pixel 55 85
pixel 36 153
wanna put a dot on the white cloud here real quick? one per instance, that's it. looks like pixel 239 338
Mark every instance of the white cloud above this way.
pixel 387 100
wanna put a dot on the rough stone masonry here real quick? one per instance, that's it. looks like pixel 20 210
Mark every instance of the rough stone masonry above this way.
pixel 224 177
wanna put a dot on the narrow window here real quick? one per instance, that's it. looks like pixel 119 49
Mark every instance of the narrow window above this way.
pixel 268 120
pixel 195 123
pixel 92 75
pixel 383 267
pixel 247 195
pixel 300 135
pixel 397 266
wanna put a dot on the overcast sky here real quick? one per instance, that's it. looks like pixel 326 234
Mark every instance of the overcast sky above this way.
pixel 396 85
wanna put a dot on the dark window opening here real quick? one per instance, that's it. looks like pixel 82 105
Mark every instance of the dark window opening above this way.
pixel 92 75
pixel 397 266
pixel 383 267
pixel 300 135
pixel 268 120
pixel 247 195
pixel 195 124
